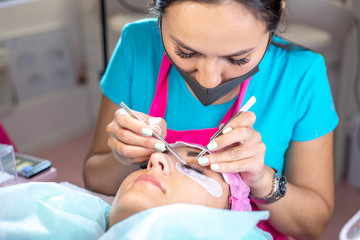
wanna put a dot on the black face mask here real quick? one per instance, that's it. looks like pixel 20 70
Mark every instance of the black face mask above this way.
pixel 208 96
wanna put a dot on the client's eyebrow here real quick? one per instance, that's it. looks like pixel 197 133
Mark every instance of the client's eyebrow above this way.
pixel 196 168
pixel 192 153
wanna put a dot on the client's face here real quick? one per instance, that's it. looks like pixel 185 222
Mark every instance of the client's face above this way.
pixel 165 182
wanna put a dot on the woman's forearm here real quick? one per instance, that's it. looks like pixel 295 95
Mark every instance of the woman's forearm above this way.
pixel 302 213
pixel 104 174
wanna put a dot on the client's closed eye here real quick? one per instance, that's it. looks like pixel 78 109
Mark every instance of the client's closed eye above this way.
pixel 197 169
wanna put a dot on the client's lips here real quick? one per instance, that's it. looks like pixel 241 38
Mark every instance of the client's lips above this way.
pixel 150 179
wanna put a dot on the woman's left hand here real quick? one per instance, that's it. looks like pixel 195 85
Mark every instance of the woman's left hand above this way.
pixel 238 149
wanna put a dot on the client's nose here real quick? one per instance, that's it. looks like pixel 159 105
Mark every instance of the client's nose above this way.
pixel 160 162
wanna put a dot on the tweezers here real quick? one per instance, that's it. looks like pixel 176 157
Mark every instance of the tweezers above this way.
pixel 167 145
pixel 244 108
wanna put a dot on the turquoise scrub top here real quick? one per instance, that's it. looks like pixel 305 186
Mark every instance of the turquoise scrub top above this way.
pixel 294 101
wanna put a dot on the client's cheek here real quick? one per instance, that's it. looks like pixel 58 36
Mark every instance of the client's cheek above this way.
pixel 210 185
pixel 129 181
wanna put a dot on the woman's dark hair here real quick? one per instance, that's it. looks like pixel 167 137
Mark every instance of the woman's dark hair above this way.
pixel 269 11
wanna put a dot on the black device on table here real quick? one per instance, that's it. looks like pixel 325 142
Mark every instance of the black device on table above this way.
pixel 28 166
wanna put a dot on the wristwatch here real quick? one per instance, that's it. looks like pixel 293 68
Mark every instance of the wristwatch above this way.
pixel 279 190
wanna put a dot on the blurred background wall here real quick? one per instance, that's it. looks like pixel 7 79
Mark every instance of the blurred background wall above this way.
pixel 42 70
pixel 51 60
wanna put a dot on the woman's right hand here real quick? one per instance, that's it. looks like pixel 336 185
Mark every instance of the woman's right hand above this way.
pixel 131 140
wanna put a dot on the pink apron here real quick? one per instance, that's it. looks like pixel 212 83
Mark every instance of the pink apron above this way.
pixel 159 103
pixel 201 136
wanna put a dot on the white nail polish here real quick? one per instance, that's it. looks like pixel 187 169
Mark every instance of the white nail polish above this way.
pixel 226 130
pixel 212 146
pixel 214 166
pixel 147 132
pixel 203 160
pixel 160 147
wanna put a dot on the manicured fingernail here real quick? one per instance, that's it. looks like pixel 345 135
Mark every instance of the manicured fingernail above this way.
pixel 203 160
pixel 214 166
pixel 158 128
pixel 122 111
pixel 211 146
pixel 160 147
pixel 147 131
pixel 153 123
pixel 226 130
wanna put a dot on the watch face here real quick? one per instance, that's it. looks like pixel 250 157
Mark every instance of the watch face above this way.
pixel 282 186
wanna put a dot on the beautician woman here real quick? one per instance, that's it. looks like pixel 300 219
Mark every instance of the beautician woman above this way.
pixel 190 70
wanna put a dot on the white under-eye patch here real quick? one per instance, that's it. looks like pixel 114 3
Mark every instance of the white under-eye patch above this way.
pixel 212 186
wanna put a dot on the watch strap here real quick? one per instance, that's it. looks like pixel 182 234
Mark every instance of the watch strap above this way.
pixel 278 190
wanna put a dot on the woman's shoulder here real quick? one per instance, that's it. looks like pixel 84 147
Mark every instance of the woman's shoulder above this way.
pixel 143 37
pixel 293 53
pixel 145 26
pixel 290 60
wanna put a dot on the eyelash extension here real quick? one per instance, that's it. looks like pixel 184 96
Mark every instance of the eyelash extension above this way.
pixel 239 62
pixel 183 54
pixel 196 169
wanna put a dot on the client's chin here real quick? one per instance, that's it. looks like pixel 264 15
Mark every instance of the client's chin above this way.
pixel 131 203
